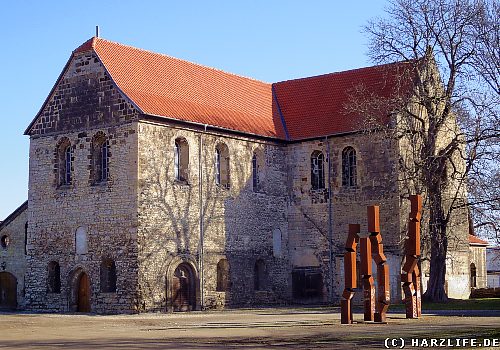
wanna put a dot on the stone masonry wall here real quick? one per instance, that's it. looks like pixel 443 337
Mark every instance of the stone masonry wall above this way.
pixel 13 257
pixel 84 103
pixel 85 97
pixel 238 222
pixel 309 209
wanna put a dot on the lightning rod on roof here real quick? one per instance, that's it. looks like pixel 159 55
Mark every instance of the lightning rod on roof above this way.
pixel 96 31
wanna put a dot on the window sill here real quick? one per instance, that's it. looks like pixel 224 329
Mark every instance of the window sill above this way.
pixel 349 188
pixel 100 183
pixel 182 183
pixel 319 190
pixel 319 195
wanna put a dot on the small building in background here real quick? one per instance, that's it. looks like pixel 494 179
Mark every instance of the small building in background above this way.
pixel 13 258
pixel 477 258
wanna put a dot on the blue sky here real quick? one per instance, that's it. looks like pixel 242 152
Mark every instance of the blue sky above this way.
pixel 265 40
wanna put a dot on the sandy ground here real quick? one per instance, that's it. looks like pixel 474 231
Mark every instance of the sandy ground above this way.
pixel 241 329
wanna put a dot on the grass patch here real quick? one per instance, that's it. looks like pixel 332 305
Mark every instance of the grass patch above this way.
pixel 458 304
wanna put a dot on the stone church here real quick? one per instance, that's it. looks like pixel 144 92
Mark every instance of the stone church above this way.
pixel 157 184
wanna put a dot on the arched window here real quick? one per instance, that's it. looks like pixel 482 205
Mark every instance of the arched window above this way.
pixel 255 173
pixel 349 167
pixel 108 276
pixel 5 241
pixel 67 165
pixel 259 275
pixel 181 159
pixel 217 166
pixel 317 170
pixel 100 158
pixel 54 278
pixel 64 162
pixel 103 174
pixel 473 282
pixel 222 165
pixel 222 275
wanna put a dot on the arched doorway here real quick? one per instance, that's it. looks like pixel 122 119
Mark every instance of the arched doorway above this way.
pixel 473 282
pixel 183 288
pixel 80 291
pixel 83 300
pixel 8 291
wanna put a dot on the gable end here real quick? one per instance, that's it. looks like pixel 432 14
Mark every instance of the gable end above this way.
pixel 83 97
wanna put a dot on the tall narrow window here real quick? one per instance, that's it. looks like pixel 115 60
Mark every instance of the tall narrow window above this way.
pixel 259 275
pixel 54 277
pixel 67 167
pixel 349 167
pixel 222 165
pixel 177 161
pixel 222 275
pixel 108 276
pixel 64 162
pixel 100 158
pixel 317 170
pixel 181 159
pixel 255 173
pixel 103 174
pixel 217 166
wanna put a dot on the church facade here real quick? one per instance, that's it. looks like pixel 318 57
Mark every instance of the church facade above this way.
pixel 158 184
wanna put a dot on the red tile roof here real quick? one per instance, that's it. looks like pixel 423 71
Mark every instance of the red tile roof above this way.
pixel 318 106
pixel 165 86
pixel 476 241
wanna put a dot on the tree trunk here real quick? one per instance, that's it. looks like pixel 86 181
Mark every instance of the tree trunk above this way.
pixel 439 247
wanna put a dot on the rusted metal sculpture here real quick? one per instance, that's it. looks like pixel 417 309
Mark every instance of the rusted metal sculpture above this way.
pixel 367 278
pixel 370 246
pixel 383 292
pixel 349 273
pixel 411 273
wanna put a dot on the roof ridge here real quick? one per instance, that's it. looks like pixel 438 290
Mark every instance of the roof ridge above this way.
pixel 174 58
pixel 345 71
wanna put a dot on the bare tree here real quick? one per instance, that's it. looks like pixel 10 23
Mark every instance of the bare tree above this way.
pixel 445 113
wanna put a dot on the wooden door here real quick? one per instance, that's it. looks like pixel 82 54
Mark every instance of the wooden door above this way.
pixel 8 291
pixel 84 293
pixel 183 294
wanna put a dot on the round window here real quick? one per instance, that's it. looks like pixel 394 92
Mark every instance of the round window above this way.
pixel 4 241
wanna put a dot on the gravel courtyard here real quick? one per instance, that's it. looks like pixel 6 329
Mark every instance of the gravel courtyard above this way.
pixel 239 329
